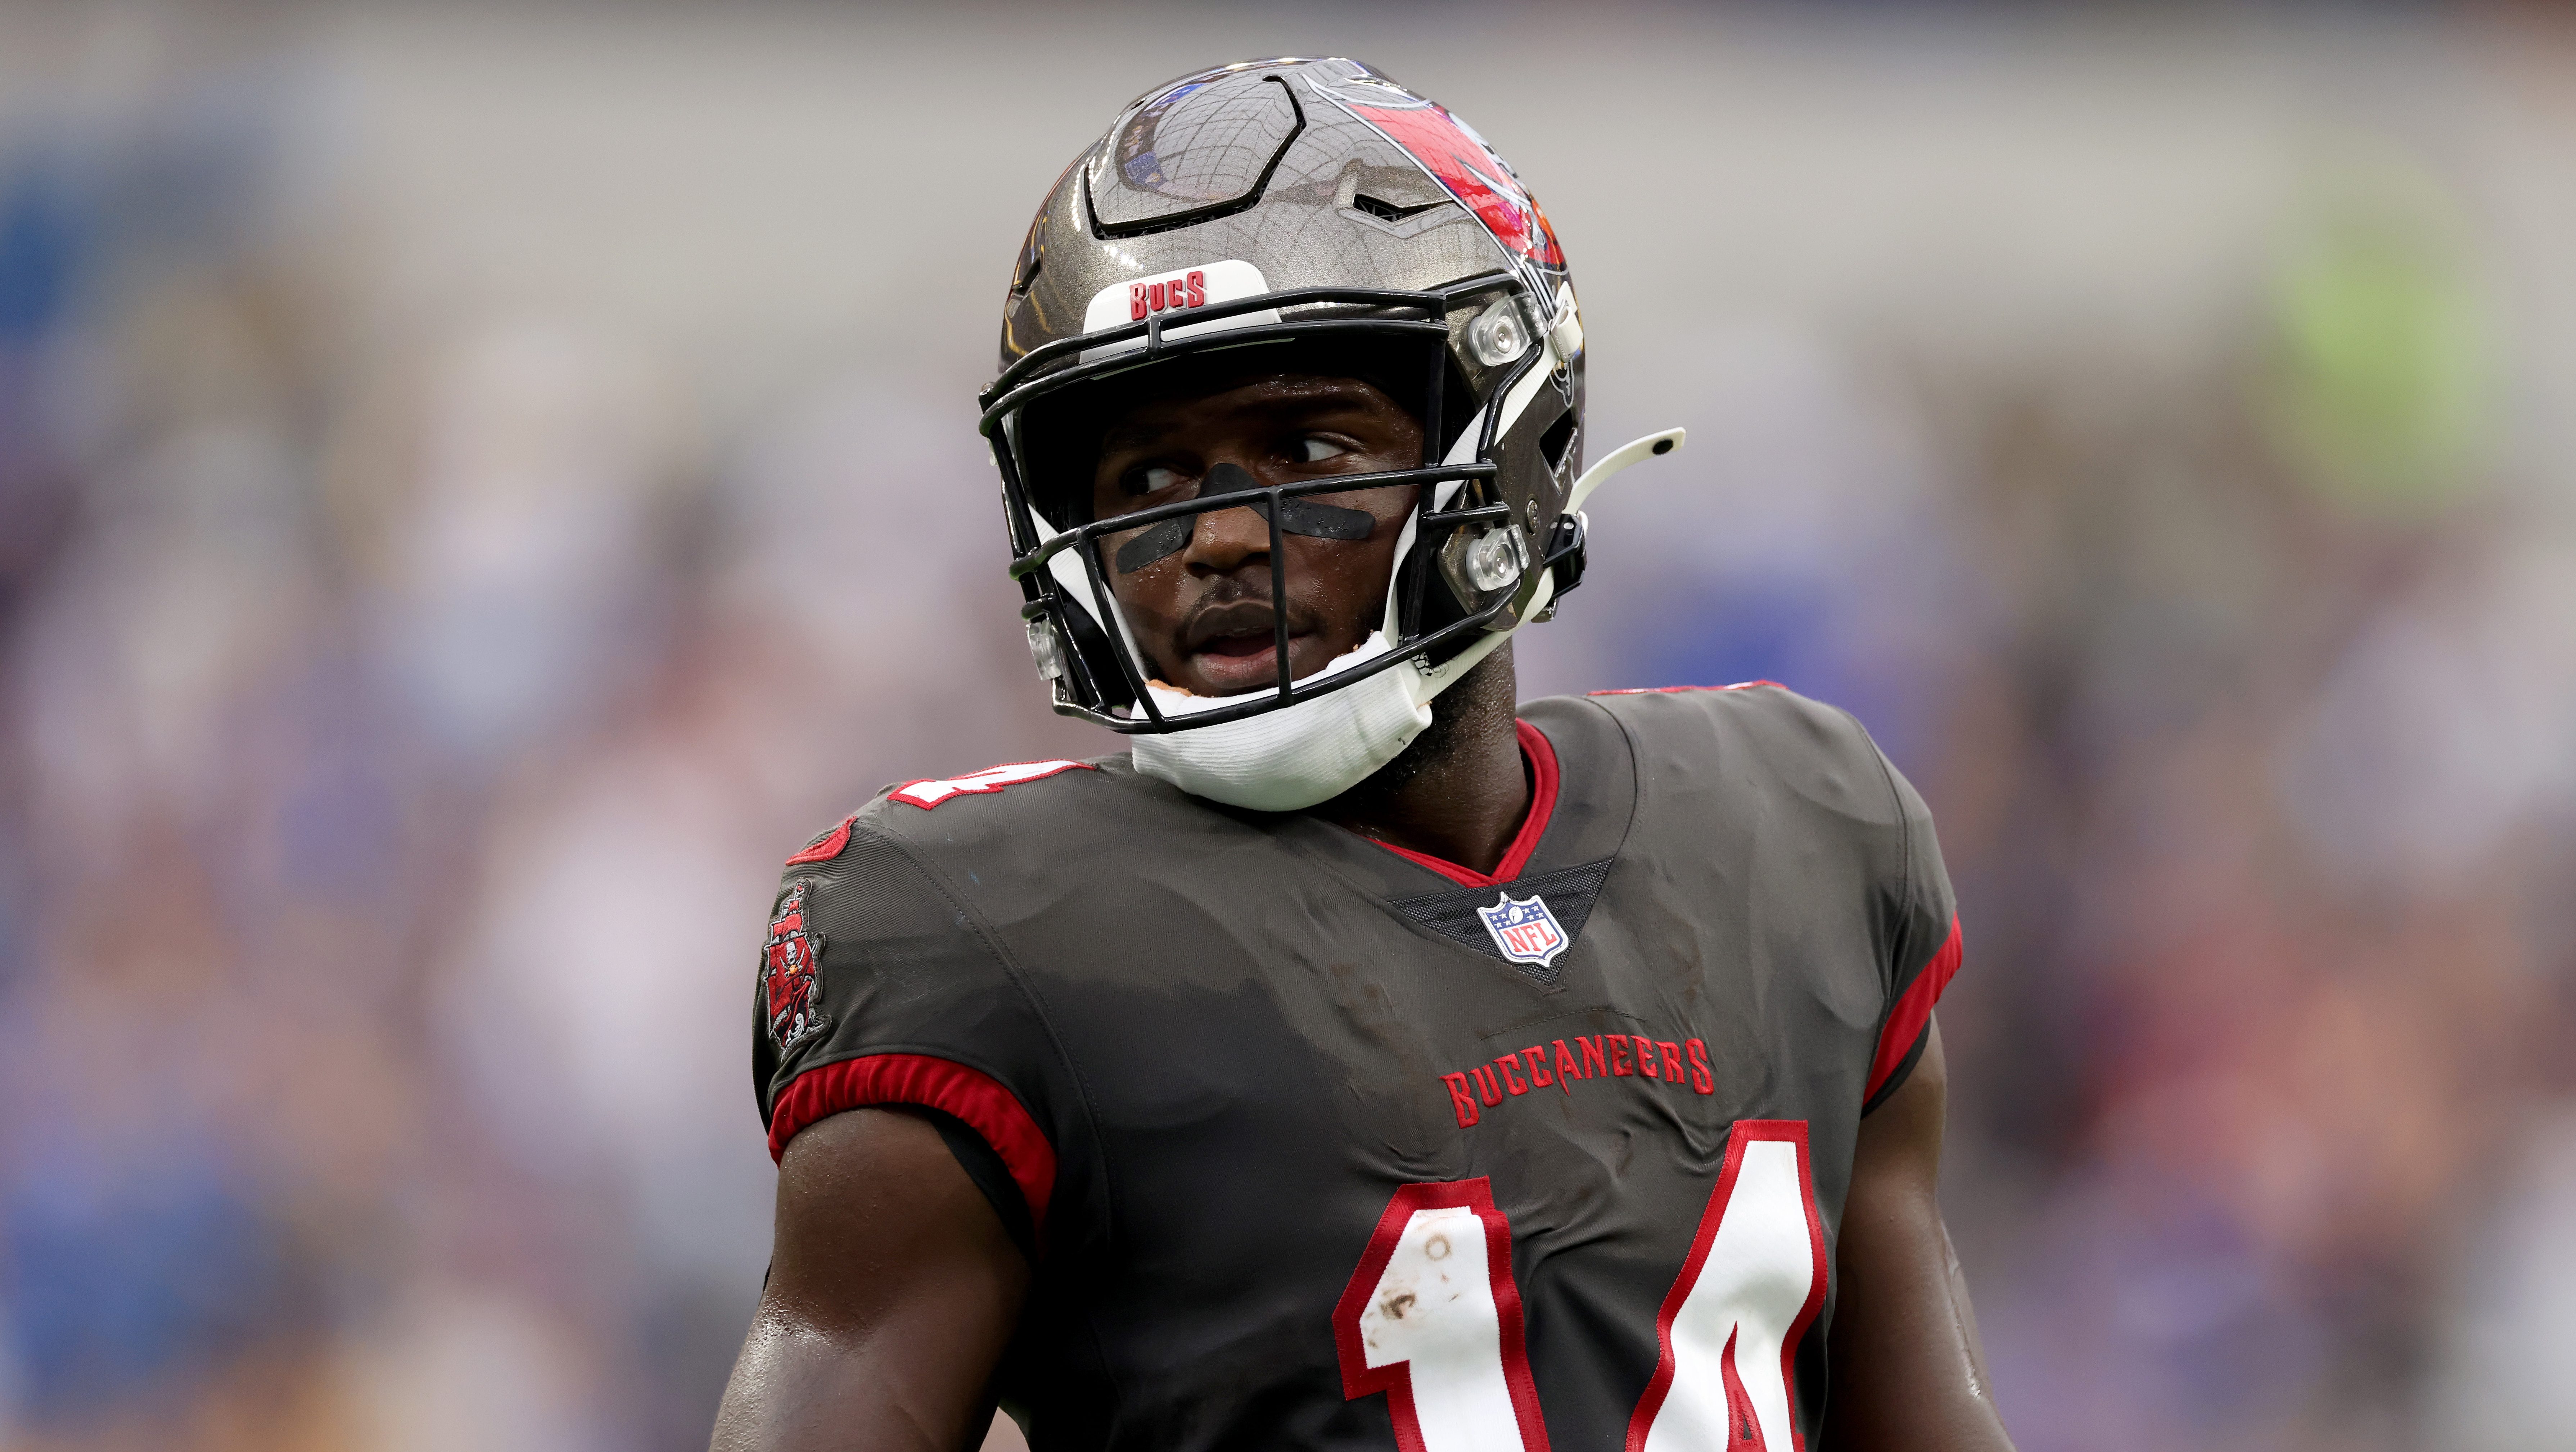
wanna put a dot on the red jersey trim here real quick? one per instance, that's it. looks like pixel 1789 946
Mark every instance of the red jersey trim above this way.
pixel 1541 755
pixel 942 1084
pixel 1669 690
pixel 829 847
pixel 1914 1010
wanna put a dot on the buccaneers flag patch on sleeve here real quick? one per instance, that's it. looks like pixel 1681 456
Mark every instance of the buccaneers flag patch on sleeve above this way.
pixel 787 965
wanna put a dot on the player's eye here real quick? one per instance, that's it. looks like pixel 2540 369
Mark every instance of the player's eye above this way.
pixel 1152 479
pixel 1315 449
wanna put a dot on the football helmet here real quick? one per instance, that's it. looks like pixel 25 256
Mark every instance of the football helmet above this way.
pixel 1315 215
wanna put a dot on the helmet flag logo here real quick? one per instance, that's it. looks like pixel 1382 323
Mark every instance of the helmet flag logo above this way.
pixel 1462 163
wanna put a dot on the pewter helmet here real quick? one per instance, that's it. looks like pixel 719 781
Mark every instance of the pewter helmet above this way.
pixel 1293 210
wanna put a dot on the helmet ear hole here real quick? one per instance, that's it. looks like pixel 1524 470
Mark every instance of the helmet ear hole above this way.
pixel 1558 438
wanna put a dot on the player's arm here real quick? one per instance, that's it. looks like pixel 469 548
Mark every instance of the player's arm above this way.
pixel 892 1291
pixel 1908 1374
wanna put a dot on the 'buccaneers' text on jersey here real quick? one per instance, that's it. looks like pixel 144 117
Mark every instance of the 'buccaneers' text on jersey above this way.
pixel 1318 1143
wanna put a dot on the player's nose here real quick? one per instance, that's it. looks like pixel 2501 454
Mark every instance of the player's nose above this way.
pixel 1226 541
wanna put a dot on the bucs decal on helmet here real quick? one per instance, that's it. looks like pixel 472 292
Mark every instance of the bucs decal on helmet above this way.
pixel 1189 290
pixel 1459 160
pixel 791 993
pixel 1179 290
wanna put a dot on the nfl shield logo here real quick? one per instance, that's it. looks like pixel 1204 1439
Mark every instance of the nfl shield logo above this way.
pixel 1524 929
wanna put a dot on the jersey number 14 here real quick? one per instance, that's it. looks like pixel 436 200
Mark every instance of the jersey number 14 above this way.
pixel 1432 1317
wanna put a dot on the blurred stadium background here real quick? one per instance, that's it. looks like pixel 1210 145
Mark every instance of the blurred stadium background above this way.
pixel 480 484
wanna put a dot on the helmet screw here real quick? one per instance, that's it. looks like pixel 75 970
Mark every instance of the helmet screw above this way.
pixel 1498 335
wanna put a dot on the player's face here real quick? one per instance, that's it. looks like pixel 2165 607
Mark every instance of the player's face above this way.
pixel 1202 613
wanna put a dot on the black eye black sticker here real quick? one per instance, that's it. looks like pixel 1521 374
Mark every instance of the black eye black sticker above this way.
pixel 1296 516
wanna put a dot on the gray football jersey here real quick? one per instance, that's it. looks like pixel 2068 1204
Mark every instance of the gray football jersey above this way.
pixel 1317 1143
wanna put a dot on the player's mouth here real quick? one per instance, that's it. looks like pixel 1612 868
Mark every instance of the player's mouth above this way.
pixel 1239 647
pixel 1235 647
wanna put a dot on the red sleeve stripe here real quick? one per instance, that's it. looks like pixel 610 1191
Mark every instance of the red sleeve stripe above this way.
pixel 1913 1011
pixel 918 1079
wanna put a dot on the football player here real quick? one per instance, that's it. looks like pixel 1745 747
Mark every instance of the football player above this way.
pixel 1360 1062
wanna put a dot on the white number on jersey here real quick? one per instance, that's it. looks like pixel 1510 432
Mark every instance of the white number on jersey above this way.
pixel 1729 1330
pixel 930 793
pixel 1432 1317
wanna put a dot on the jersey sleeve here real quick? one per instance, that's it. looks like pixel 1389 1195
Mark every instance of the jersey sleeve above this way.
pixel 879 987
pixel 1920 925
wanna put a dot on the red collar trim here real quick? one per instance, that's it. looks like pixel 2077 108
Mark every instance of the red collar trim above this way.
pixel 1542 763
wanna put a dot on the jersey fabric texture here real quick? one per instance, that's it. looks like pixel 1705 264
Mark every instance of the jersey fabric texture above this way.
pixel 1205 1048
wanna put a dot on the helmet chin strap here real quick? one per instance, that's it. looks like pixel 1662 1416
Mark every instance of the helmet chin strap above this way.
pixel 1318 748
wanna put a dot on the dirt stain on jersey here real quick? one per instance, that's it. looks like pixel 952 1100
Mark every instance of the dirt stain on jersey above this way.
pixel 1387 1055
pixel 1370 1012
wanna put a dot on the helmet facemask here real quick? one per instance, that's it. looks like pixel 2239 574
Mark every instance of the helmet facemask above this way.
pixel 1485 560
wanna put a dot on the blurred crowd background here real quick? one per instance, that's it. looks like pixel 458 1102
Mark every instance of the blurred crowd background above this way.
pixel 481 484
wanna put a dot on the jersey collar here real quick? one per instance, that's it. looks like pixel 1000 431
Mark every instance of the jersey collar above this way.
pixel 1540 757
pixel 1580 814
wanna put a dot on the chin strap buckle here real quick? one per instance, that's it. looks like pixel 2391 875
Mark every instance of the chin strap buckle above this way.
pixel 1563 561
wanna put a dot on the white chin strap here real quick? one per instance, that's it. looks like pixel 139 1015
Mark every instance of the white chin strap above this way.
pixel 1315 750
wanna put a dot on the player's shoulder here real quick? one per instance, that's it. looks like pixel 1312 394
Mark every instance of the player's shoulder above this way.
pixel 1763 711
pixel 1757 735
pixel 1022 816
